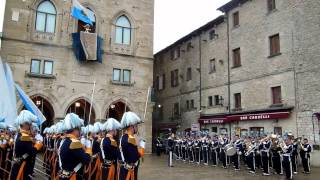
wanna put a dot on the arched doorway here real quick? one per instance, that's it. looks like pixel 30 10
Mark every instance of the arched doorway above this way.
pixel 46 108
pixel 82 108
pixel 116 110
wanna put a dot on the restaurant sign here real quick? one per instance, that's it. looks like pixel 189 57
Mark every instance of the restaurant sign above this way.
pixel 260 116
pixel 213 121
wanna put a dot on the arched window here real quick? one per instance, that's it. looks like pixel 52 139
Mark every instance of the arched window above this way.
pixel 46 17
pixel 123 30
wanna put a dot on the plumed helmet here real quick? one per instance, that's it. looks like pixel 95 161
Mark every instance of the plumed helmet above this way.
pixel 84 130
pixel 111 124
pixel 130 119
pixel 3 125
pixel 25 116
pixel 72 121
pixel 35 127
pixel 97 127
pixel 60 127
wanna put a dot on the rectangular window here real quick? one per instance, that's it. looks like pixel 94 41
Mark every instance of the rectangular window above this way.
pixel 126 76
pixel 214 129
pixel 163 81
pixel 189 74
pixel 271 5
pixel 236 19
pixel 212 66
pixel 50 23
pixel 157 83
pixel 237 101
pixel 172 54
pixel 236 58
pixel 217 100
pixel 41 22
pixel 177 53
pixel 274 44
pixel 276 95
pixel 212 34
pixel 160 82
pixel 210 101
pixel 187 105
pixel 35 66
pixel 176 111
pixel 189 46
pixel 175 78
pixel 48 67
pixel 192 104
pixel 278 130
pixel 256 131
pixel 116 74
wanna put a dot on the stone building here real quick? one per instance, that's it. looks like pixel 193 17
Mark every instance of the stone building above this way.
pixel 39 42
pixel 254 72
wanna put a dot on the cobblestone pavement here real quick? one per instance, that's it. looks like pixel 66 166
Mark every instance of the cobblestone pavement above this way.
pixel 155 168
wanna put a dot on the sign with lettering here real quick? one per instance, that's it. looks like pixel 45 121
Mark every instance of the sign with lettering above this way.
pixel 195 127
pixel 260 116
pixel 213 121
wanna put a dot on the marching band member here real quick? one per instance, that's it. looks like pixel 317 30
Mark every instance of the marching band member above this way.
pixel 190 150
pixel 236 158
pixel 205 150
pixel 250 155
pixel 223 142
pixel 170 149
pixel 184 149
pixel 276 155
pixel 294 157
pixel 109 149
pixel 72 154
pixel 305 156
pixel 3 145
pixel 265 153
pixel 130 149
pixel 286 161
pixel 214 151
pixel 24 148
pixel 158 146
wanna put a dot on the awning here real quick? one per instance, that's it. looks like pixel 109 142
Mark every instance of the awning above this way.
pixel 254 115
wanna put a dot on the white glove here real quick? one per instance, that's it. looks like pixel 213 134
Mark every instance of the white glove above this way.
pixel 142 143
pixel 4 142
pixel 240 153
pixel 83 141
pixel 305 149
pixel 39 138
pixel 88 144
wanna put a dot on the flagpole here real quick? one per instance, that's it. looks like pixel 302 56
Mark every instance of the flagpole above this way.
pixel 145 108
pixel 94 86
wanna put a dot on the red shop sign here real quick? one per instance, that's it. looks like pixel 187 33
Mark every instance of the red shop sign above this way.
pixel 259 116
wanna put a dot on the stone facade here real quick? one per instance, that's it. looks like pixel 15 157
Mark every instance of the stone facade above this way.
pixel 294 68
pixel 72 80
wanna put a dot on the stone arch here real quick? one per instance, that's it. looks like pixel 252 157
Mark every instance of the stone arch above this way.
pixel 115 109
pixel 81 106
pixel 123 13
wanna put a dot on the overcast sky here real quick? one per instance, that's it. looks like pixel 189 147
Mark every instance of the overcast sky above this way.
pixel 173 18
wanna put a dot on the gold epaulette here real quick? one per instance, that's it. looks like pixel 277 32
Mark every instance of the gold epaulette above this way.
pixel 132 140
pixel 75 144
pixel 114 143
pixel 25 138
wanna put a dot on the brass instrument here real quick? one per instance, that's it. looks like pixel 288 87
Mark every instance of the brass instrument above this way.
pixel 282 145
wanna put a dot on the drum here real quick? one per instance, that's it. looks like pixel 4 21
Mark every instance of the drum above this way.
pixel 230 150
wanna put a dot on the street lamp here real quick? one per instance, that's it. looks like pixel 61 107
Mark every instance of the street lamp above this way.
pixel 112 106
pixel 78 104
pixel 159 105
pixel 38 102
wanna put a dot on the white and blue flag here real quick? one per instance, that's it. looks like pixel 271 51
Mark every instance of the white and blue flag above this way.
pixel 81 13
pixel 29 105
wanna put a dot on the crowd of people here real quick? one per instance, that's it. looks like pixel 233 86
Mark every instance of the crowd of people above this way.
pixel 70 149
pixel 273 152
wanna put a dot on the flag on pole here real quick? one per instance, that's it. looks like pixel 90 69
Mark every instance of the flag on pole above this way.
pixel 4 98
pixel 81 13
pixel 12 106
pixel 28 103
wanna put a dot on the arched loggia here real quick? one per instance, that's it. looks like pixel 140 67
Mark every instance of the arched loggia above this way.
pixel 82 108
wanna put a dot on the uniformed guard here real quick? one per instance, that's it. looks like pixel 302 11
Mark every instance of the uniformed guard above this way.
pixel 109 149
pixel 24 148
pixel 73 156
pixel 130 149
pixel 305 156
